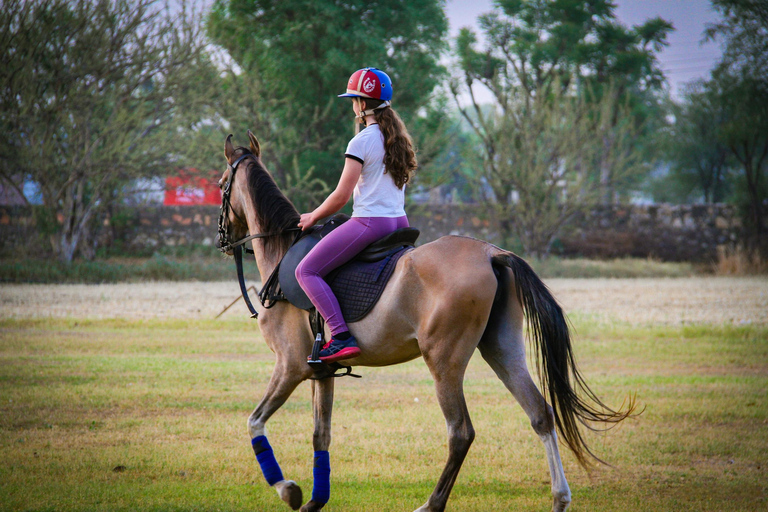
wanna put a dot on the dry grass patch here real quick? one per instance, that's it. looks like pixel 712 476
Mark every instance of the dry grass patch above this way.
pixel 653 302
pixel 643 301
pixel 738 261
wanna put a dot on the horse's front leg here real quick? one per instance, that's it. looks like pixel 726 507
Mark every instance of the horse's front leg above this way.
pixel 282 383
pixel 322 404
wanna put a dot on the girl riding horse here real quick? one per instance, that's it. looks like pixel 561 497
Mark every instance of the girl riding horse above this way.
pixel 378 163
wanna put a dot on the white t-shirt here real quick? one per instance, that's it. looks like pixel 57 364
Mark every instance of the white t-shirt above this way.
pixel 376 194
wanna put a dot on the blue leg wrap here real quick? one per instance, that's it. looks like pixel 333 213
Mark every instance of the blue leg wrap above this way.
pixel 321 490
pixel 266 458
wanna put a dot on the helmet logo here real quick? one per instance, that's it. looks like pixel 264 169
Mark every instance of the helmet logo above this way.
pixel 369 85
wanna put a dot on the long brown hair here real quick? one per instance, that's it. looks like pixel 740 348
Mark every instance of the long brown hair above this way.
pixel 400 157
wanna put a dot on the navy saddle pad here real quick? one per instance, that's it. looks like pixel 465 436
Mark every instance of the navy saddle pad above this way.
pixel 357 284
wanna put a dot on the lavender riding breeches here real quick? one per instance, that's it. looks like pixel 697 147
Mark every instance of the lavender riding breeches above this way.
pixel 336 248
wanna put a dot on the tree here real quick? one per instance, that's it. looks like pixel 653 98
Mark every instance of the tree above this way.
pixel 745 132
pixel 544 171
pixel 744 28
pixel 741 83
pixel 700 160
pixel 92 94
pixel 542 56
pixel 295 56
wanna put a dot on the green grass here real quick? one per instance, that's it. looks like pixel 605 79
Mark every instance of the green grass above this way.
pixel 151 415
pixel 616 268
pixel 211 266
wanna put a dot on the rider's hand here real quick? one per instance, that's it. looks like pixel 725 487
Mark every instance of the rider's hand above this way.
pixel 306 221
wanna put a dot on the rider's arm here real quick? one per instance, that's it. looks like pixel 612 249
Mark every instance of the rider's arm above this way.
pixel 338 198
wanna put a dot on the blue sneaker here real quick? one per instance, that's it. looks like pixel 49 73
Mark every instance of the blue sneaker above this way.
pixel 336 350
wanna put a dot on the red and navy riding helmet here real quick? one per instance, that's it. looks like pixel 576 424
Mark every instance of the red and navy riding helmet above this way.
pixel 369 83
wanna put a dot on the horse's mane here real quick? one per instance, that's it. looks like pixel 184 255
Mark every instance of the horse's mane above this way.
pixel 275 212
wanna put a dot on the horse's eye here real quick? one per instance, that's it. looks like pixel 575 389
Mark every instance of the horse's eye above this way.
pixel 224 179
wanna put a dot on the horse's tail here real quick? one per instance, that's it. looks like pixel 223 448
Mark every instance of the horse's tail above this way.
pixel 572 401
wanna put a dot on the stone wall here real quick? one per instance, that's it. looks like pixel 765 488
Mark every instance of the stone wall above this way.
pixel 169 226
pixel 666 232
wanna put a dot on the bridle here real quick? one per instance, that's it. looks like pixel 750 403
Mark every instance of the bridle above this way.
pixel 226 206
pixel 238 247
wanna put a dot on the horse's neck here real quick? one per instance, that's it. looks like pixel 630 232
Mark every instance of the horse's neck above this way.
pixel 265 264
pixel 265 261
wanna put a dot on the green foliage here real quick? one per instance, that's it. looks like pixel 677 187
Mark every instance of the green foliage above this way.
pixel 576 94
pixel 188 265
pixel 45 221
pixel 95 93
pixel 531 43
pixel 292 58
pixel 744 28
pixel 694 145
pixel 745 132
pixel 740 83
pixel 547 158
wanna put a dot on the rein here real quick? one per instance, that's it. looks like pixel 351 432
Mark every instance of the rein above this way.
pixel 238 247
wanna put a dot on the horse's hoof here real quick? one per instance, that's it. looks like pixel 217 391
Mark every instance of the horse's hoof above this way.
pixel 561 504
pixel 290 492
pixel 312 506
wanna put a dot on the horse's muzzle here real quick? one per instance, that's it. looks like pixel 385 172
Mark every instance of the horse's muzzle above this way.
pixel 217 244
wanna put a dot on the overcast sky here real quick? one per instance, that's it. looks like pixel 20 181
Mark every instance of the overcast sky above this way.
pixel 685 59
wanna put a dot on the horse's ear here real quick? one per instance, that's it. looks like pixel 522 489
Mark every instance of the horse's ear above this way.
pixel 228 147
pixel 255 148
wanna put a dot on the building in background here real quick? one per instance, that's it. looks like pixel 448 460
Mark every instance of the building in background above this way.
pixel 192 187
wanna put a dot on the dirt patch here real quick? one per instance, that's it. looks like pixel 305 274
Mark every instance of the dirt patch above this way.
pixel 713 300
pixel 678 301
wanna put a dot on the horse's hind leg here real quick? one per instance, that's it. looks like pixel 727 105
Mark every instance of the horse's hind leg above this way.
pixel 322 404
pixel 503 347
pixel 447 361
pixel 282 383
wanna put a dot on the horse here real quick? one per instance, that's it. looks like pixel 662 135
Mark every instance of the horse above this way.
pixel 445 299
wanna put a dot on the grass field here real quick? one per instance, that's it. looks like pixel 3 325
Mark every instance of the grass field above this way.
pixel 206 264
pixel 149 414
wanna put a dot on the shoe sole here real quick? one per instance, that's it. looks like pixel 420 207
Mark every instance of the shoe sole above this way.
pixel 345 353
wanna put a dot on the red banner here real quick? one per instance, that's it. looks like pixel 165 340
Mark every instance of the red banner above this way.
pixel 191 187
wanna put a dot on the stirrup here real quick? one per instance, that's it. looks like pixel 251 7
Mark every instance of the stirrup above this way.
pixel 324 370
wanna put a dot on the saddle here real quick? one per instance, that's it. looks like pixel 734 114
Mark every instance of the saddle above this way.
pixel 357 284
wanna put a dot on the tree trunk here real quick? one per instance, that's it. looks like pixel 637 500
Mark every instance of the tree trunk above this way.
pixel 75 225
pixel 605 172
pixel 67 248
